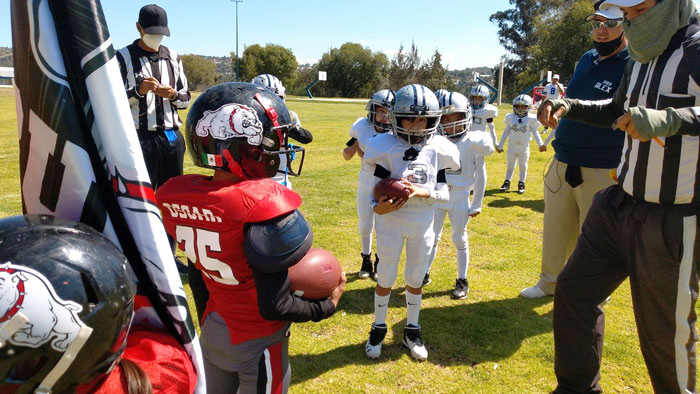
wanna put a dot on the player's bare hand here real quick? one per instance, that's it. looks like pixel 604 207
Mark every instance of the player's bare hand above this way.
pixel 543 148
pixel 414 191
pixel 386 205
pixel 499 150
pixel 626 124
pixel 339 290
pixel 349 151
pixel 164 91
pixel 473 215
pixel 549 118
pixel 148 84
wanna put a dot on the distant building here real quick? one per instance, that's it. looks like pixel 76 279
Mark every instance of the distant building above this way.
pixel 7 76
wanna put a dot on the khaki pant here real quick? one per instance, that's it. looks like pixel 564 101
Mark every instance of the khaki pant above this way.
pixel 565 208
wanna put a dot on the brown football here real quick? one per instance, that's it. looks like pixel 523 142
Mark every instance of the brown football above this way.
pixel 316 275
pixel 392 188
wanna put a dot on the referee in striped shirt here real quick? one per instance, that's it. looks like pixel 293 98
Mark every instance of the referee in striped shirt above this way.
pixel 156 86
pixel 646 226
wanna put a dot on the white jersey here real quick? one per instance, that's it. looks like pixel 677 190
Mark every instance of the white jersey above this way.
pixel 521 131
pixel 480 119
pixel 362 130
pixel 388 152
pixel 552 91
pixel 472 145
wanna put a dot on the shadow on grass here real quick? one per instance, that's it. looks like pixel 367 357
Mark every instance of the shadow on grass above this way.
pixel 504 201
pixel 461 334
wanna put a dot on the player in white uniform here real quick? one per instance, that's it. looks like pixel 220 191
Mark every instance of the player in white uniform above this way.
pixel 296 132
pixel 473 147
pixel 483 113
pixel 419 158
pixel 376 122
pixel 552 90
pixel 521 125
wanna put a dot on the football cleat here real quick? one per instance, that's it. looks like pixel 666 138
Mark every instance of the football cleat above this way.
pixel 533 292
pixel 426 279
pixel 373 347
pixel 461 289
pixel 366 269
pixel 505 186
pixel 413 340
pixel 521 187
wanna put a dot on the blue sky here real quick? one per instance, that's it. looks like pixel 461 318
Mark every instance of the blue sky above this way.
pixel 460 30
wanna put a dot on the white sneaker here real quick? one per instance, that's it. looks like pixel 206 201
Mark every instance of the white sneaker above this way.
pixel 373 347
pixel 533 292
pixel 413 340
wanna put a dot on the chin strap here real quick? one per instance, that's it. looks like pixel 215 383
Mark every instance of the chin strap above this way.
pixel 233 165
pixel 64 362
pixel 11 327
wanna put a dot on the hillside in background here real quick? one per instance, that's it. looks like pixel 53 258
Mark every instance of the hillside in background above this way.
pixel 5 57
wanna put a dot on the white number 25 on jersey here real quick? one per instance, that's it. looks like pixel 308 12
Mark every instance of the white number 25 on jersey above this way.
pixel 197 242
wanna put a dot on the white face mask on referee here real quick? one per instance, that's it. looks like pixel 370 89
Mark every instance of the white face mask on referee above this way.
pixel 153 40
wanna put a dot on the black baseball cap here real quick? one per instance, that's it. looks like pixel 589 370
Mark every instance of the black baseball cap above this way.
pixel 154 20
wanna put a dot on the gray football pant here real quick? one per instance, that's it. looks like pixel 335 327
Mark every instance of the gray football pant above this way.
pixel 257 366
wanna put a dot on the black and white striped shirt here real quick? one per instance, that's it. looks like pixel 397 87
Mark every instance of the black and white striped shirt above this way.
pixel 648 171
pixel 152 112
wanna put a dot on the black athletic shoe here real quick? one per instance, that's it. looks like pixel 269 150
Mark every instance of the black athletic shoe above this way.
pixel 373 347
pixel 505 186
pixel 521 187
pixel 376 263
pixel 413 340
pixel 426 279
pixel 461 289
pixel 366 269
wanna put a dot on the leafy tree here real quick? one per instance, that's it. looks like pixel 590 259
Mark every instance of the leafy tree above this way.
pixel 270 59
pixel 353 71
pixel 434 75
pixel 200 72
pixel 404 67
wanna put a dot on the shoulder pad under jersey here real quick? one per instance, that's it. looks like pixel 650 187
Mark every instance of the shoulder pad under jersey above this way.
pixel 490 111
pixel 276 244
pixel 268 199
pixel 448 154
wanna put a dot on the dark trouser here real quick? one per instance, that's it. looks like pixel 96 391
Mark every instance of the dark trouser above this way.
pixel 164 159
pixel 656 246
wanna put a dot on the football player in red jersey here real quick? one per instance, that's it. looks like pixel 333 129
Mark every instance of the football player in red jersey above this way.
pixel 242 231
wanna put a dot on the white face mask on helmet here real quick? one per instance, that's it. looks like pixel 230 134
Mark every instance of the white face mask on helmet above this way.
pixel 153 40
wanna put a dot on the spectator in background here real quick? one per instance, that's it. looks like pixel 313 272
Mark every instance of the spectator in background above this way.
pixel 553 90
pixel 156 86
pixel 583 154
pixel 646 226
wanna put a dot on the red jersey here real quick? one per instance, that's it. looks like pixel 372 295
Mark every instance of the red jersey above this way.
pixel 206 219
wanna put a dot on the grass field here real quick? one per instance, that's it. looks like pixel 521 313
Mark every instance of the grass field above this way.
pixel 492 342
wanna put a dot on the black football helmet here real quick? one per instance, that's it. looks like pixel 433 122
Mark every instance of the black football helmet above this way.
pixel 66 304
pixel 241 128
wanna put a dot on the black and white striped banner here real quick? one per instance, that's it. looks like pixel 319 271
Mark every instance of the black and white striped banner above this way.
pixel 80 156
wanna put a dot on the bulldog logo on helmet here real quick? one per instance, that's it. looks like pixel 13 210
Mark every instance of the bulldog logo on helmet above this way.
pixel 231 120
pixel 49 317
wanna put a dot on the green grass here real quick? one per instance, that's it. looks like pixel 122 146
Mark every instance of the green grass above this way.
pixel 492 342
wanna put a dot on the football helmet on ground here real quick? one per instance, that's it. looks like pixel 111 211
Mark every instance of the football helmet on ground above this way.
pixel 241 128
pixel 66 304
pixel 271 83
pixel 381 99
pixel 411 104
pixel 479 96
pixel 522 105
pixel 455 103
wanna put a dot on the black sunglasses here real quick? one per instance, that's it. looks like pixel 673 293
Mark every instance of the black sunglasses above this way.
pixel 611 24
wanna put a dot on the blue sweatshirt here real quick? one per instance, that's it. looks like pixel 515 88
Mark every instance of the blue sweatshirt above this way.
pixel 580 144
